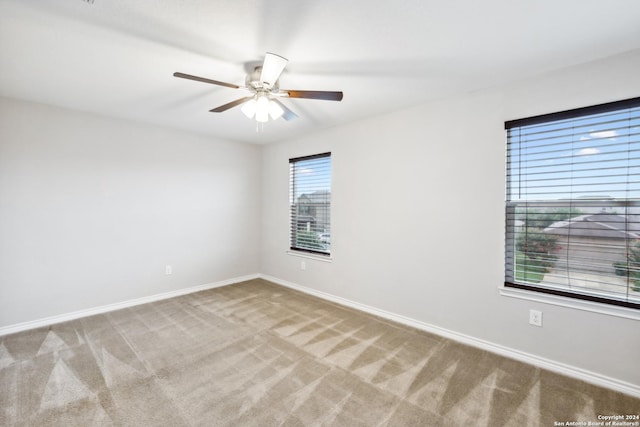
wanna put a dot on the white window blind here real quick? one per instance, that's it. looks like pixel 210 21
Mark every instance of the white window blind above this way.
pixel 310 203
pixel 573 203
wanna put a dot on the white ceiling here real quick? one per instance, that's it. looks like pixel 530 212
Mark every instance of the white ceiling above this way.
pixel 117 57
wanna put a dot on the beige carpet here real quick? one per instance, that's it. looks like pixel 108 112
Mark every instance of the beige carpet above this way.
pixel 258 354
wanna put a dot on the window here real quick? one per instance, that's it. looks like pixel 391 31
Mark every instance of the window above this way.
pixel 310 203
pixel 573 203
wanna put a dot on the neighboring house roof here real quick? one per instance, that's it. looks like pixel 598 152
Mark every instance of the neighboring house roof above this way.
pixel 320 196
pixel 602 225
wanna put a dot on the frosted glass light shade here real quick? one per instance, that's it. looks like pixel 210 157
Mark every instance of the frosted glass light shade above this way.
pixel 249 108
pixel 262 109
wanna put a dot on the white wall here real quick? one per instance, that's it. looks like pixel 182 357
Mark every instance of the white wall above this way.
pixel 92 209
pixel 417 218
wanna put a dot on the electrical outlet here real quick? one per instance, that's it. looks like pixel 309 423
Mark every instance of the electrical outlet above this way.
pixel 303 265
pixel 168 270
pixel 535 318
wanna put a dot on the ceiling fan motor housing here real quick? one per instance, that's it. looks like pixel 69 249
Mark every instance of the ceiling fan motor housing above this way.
pixel 253 81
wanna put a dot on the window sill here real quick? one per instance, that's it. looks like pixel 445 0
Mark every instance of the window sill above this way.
pixel 610 310
pixel 308 255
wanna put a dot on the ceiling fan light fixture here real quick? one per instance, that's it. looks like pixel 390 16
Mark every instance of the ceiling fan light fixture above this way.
pixel 262 109
pixel 249 108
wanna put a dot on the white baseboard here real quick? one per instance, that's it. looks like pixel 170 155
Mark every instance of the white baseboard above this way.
pixel 541 362
pixel 119 305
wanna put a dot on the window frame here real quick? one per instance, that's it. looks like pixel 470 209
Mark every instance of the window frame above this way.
pixel 510 206
pixel 326 254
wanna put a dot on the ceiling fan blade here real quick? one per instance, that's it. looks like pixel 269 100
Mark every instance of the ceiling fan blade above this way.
pixel 231 104
pixel 202 79
pixel 272 68
pixel 314 94
pixel 288 114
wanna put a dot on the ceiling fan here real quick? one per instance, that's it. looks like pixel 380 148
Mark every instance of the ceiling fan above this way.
pixel 264 88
